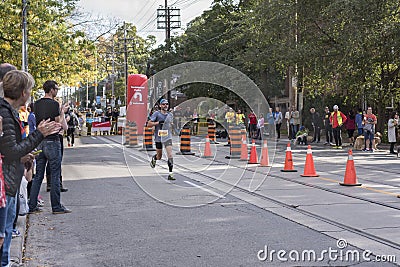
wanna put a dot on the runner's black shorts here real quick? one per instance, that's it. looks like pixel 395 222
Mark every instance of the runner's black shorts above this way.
pixel 166 143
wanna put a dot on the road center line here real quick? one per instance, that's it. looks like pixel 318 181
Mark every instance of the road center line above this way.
pixel 205 189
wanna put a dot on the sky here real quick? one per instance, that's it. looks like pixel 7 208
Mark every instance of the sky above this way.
pixel 143 13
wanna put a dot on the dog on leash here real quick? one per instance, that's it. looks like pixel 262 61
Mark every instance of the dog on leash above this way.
pixel 359 143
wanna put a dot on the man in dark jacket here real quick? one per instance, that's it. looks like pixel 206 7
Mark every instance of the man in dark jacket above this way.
pixel 17 86
pixel 316 123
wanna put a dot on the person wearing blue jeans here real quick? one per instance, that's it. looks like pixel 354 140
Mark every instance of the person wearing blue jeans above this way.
pixel 369 129
pixel 47 108
pixel 10 211
pixel 51 154
pixel 14 147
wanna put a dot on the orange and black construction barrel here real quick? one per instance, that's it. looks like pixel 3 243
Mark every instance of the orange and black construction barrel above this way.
pixel 236 143
pixel 148 139
pixel 211 133
pixel 127 134
pixel 185 142
pixel 230 127
pixel 133 136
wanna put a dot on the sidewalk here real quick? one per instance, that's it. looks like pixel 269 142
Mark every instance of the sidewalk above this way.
pixel 17 243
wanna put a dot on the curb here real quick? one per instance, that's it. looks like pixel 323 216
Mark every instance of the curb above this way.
pixel 17 243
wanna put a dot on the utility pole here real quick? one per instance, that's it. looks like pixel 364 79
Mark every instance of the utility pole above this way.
pixel 168 18
pixel 167 25
pixel 24 36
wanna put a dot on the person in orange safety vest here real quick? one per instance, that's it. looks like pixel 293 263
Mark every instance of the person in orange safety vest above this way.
pixel 337 119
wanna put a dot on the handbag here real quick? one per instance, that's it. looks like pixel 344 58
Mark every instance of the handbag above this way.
pixel 2 185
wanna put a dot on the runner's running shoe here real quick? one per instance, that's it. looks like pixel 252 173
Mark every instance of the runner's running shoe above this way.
pixel 153 162
pixel 171 177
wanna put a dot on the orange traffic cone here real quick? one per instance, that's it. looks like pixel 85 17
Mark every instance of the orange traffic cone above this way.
pixel 253 154
pixel 264 156
pixel 309 169
pixel 207 149
pixel 288 160
pixel 244 155
pixel 350 176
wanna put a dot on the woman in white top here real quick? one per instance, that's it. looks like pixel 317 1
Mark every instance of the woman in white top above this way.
pixel 392 123
pixel 260 126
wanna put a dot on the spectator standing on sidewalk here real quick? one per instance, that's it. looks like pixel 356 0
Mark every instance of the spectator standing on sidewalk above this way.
pixel 4 68
pixel 114 121
pixel 316 124
pixel 2 196
pixel 359 121
pixel 31 118
pixel 271 122
pixel 288 125
pixel 278 121
pixel 260 127
pixel 240 118
pixel 17 86
pixel 295 121
pixel 369 129
pixel 337 119
pixel 252 125
pixel 328 127
pixel 350 127
pixel 48 109
pixel 392 124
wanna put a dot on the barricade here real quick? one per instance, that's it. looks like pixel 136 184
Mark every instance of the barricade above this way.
pixel 185 142
pixel 236 144
pixel 133 136
pixel 211 133
pixel 148 139
pixel 127 134
pixel 230 127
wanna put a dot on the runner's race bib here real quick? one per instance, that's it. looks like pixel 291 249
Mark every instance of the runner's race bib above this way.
pixel 162 133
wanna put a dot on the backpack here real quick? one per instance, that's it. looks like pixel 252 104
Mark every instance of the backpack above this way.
pixel 73 122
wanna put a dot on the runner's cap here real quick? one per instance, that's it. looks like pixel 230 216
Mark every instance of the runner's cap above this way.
pixel 163 101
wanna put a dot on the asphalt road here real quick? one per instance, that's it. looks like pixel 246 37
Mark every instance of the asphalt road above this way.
pixel 116 223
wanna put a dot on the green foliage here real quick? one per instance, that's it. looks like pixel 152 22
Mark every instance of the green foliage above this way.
pixel 343 50
pixel 55 50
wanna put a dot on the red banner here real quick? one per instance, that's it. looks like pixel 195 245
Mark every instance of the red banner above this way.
pixel 136 111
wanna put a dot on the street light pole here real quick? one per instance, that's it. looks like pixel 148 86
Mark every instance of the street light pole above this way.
pixel 126 64
pixel 24 36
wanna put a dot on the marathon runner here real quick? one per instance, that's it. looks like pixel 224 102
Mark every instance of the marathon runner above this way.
pixel 162 121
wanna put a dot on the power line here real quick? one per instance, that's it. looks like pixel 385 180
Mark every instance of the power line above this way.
pixel 150 21
pixel 146 12
pixel 189 4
